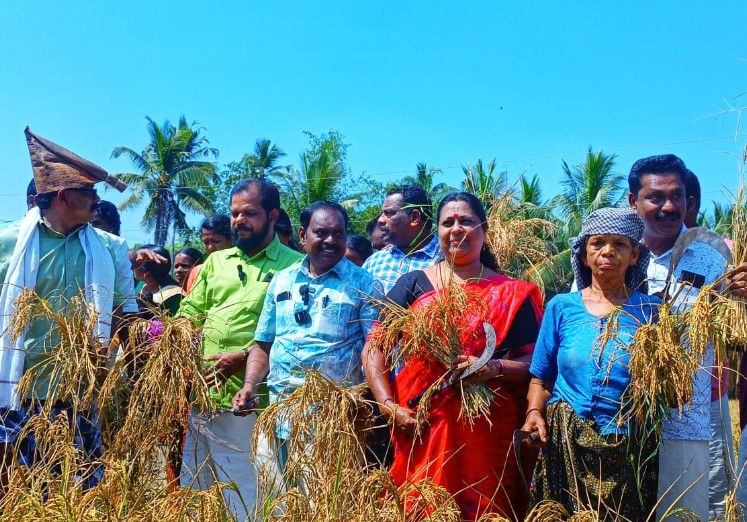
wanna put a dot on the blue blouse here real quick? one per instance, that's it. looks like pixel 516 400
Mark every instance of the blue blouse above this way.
pixel 569 354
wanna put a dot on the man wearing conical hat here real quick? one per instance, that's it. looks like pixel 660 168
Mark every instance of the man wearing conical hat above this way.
pixel 54 251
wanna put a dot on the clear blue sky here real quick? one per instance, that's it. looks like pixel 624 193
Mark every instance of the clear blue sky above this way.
pixel 529 83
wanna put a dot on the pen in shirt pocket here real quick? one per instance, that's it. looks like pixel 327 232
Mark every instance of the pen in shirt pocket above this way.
pixel 325 301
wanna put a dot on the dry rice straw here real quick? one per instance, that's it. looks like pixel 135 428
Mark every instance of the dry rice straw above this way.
pixel 736 310
pixel 519 242
pixel 52 488
pixel 433 330
pixel 325 476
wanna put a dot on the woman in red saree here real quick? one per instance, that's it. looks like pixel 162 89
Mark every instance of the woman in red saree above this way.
pixel 474 461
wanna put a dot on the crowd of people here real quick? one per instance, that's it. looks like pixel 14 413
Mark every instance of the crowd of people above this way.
pixel 273 302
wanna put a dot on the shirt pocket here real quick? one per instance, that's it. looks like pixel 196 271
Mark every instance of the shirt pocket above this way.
pixel 333 320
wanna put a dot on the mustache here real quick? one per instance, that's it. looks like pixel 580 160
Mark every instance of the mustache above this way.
pixel 668 215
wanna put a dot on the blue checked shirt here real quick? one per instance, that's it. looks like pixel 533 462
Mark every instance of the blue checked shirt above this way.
pixel 391 263
pixel 341 316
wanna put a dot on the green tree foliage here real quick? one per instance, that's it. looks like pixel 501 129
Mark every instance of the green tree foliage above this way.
pixel 264 162
pixel 484 182
pixel 586 187
pixel 322 168
pixel 171 177
pixel 426 178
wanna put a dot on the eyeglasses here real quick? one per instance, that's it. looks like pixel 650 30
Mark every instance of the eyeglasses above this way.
pixel 303 316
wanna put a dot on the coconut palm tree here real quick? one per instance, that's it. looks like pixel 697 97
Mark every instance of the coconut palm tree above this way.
pixel 484 182
pixel 586 187
pixel 316 179
pixel 265 159
pixel 170 177
pixel 425 178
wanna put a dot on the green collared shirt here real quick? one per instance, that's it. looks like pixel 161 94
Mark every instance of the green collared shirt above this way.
pixel 61 276
pixel 226 301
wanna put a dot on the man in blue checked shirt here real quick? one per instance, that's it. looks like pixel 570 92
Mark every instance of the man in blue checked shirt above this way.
pixel 406 219
pixel 316 315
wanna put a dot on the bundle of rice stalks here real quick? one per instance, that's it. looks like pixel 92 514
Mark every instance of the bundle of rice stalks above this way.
pixel 736 310
pixel 435 330
pixel 167 379
pixel 57 483
pixel 519 241
pixel 381 499
pixel 703 321
pixel 337 419
pixel 76 361
pixel 325 477
pixel 661 369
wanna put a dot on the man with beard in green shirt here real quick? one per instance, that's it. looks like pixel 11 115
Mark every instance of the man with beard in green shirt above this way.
pixel 226 301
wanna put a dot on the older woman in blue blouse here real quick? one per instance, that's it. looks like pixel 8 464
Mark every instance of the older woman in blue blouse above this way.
pixel 593 457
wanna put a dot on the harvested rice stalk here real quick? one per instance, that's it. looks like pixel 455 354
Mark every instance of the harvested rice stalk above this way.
pixel 76 363
pixel 518 241
pixel 435 330
pixel 325 476
pixel 52 488
pixel 734 510
pixel 702 320
pixel 661 368
pixel 735 326
pixel 548 511
pixel 584 516
pixel 321 417
pixel 160 397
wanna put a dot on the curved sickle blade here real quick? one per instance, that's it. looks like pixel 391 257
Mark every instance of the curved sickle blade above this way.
pixel 487 354
pixel 695 235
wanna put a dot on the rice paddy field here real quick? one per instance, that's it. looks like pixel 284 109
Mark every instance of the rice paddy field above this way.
pixel 143 392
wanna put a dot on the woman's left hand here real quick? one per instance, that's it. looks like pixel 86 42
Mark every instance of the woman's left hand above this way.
pixel 492 369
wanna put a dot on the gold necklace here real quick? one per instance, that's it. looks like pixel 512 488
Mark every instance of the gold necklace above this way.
pixel 458 277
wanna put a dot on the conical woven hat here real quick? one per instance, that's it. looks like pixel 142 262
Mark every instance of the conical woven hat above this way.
pixel 56 168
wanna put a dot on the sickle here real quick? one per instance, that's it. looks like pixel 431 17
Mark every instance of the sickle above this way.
pixel 687 238
pixel 487 354
pixel 519 436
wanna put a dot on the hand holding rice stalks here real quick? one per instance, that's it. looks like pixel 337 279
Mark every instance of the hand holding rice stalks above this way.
pixel 665 355
pixel 436 330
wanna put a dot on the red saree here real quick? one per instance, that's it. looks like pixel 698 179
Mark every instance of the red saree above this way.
pixel 475 463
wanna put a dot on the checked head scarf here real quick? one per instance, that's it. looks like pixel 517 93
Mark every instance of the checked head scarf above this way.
pixel 620 221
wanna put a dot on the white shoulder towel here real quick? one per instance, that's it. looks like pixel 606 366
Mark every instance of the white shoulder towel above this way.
pixel 22 273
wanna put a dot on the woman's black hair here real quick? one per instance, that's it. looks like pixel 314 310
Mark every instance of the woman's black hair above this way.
pixel 219 223
pixel 283 223
pixel 109 213
pixel 195 255
pixel 161 272
pixel 486 256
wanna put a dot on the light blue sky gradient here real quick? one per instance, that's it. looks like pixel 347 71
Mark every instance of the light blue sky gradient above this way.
pixel 529 83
